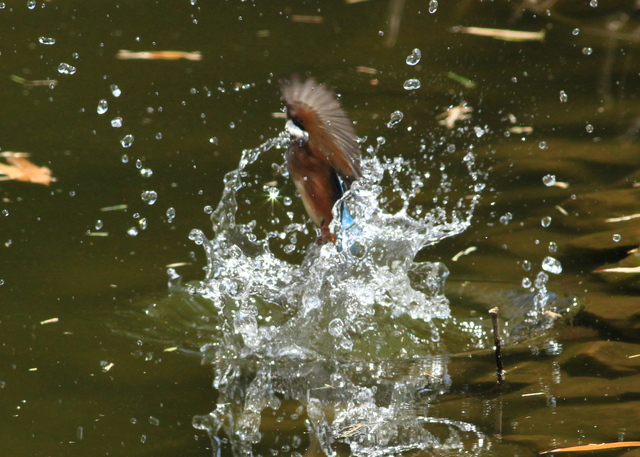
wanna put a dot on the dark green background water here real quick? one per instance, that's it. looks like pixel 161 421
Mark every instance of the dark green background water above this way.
pixel 55 397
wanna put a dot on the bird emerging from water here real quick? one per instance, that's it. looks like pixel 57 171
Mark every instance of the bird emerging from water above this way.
pixel 323 158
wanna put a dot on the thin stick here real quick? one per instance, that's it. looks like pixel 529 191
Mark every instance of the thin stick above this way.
pixel 496 342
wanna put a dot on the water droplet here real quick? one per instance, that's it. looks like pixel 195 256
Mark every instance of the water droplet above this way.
pixel 526 283
pixel 46 40
pixel 542 145
pixel 552 265
pixel 232 125
pixel 587 51
pixel 159 136
pixel 553 246
pixel 146 172
pixel 412 84
pixel 149 197
pixel 143 223
pixel 197 237
pixel 563 97
pixel 593 3
pixel 541 280
pixel 66 69
pixel 154 421
pixel 143 439
pixel 132 231
pixel 433 6
pixel 103 106
pixel 171 214
pixel 127 141
pixel 549 180
pixel 589 128
pixel 617 237
pixel 506 218
pixel 575 31
pixel 336 327
pixel 479 131
pixel 396 118
pixel 213 140
pixel 115 90
pixel 139 164
pixel 545 221
pixel 208 209
pixel 116 122
pixel 99 224
pixel 414 57
pixel 124 158
pixel 31 4
pixel 5 212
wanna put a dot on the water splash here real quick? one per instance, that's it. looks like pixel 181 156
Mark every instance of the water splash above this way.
pixel 288 322
pixel 338 302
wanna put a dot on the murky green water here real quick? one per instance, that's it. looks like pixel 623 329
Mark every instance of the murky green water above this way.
pixel 77 387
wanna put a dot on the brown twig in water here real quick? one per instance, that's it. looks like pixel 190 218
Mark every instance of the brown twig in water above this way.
pixel 496 342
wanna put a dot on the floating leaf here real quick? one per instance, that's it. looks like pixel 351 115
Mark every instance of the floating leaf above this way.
pixel 595 447
pixel 502 34
pixel 19 168
pixel 123 54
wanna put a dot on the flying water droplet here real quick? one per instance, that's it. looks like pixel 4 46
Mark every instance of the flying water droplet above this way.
pixel 66 69
pixel 552 265
pixel 506 218
pixel 549 180
pixel 127 141
pixel 593 3
pixel 31 4
pixel 589 128
pixel 149 197
pixel 115 90
pixel 116 122
pixel 563 97
pixel 396 118
pixel 103 106
pixel 433 6
pixel 587 51
pixel 171 214
pixel 132 231
pixel 47 41
pixel 414 57
pixel 412 84
pixel 146 172
pixel 545 221
pixel 617 237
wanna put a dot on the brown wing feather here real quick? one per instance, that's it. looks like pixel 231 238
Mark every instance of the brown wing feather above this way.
pixel 315 108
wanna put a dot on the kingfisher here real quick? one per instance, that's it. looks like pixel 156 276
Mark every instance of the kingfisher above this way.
pixel 323 158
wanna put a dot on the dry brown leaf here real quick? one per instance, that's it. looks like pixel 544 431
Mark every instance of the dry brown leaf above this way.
pixel 19 168
pixel 307 19
pixel 502 34
pixel 595 447
pixel 123 54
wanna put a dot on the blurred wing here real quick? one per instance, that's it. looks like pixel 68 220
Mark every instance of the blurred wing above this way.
pixel 315 109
